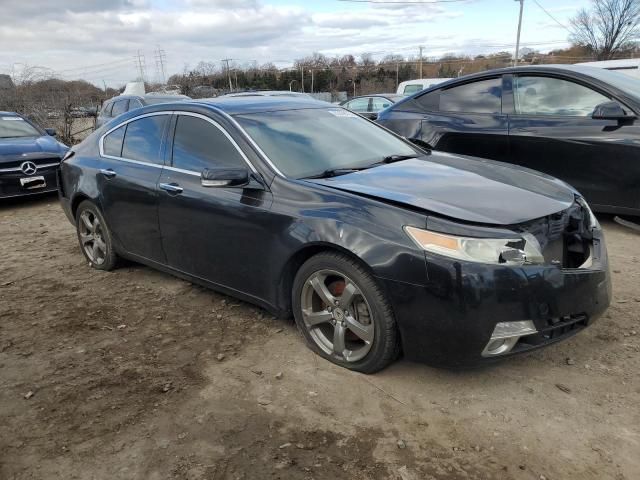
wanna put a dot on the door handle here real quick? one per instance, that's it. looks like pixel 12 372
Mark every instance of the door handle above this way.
pixel 107 172
pixel 171 188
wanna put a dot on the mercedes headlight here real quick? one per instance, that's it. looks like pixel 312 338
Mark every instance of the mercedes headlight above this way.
pixel 510 251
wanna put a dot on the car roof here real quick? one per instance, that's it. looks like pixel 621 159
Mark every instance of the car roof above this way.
pixel 551 68
pixel 273 93
pixel 260 103
pixel 9 114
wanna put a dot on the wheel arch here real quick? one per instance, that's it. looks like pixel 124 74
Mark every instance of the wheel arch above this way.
pixel 78 198
pixel 297 259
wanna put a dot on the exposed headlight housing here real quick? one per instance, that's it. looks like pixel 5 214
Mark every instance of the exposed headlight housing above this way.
pixel 593 221
pixel 505 251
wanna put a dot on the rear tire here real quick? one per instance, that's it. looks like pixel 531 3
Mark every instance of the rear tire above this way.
pixel 94 236
pixel 343 314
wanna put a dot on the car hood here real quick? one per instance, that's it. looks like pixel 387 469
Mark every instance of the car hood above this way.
pixel 30 147
pixel 465 188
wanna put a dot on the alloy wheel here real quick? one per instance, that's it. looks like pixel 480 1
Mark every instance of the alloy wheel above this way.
pixel 92 237
pixel 337 315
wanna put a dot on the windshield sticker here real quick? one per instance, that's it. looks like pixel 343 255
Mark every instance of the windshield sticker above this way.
pixel 13 118
pixel 339 112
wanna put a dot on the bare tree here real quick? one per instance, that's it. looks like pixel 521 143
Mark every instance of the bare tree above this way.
pixel 608 28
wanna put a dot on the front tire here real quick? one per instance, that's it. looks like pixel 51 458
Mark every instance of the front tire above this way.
pixel 343 314
pixel 94 237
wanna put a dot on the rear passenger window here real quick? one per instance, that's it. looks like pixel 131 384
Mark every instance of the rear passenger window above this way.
pixel 198 144
pixel 119 107
pixel 112 143
pixel 359 105
pixel 143 138
pixel 484 96
pixel 106 109
pixel 135 103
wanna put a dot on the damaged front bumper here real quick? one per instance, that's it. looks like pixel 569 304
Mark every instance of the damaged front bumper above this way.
pixel 472 313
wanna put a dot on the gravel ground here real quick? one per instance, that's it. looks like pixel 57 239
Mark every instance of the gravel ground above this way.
pixel 136 374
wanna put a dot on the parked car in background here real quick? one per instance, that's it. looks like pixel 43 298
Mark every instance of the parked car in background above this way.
pixel 628 66
pixel 29 157
pixel 370 105
pixel 575 123
pixel 410 87
pixel 125 103
pixel 374 245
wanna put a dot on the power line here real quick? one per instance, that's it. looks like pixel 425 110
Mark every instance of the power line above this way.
pixel 552 17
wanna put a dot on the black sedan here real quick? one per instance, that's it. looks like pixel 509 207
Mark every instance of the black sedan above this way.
pixel 374 245
pixel 29 157
pixel 370 105
pixel 576 123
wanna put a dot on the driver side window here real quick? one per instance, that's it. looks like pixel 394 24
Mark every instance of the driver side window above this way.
pixel 198 144
pixel 554 96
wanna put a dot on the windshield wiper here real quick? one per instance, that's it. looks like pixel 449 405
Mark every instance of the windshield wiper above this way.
pixel 334 172
pixel 397 158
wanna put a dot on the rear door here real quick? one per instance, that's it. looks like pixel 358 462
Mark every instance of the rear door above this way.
pixel 131 164
pixel 215 233
pixel 551 130
pixel 466 119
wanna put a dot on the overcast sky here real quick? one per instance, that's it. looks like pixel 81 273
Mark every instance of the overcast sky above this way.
pixel 98 39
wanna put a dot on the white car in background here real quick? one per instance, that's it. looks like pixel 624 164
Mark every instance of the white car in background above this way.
pixel 410 87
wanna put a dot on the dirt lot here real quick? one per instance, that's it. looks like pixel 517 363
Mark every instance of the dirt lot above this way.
pixel 136 374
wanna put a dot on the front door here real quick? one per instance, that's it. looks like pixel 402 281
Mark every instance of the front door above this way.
pixel 552 131
pixel 214 233
pixel 131 163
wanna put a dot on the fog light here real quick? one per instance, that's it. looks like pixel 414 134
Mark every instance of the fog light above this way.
pixel 506 335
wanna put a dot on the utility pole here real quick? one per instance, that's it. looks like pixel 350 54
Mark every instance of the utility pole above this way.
pixel 161 58
pixel 515 60
pixel 311 80
pixel 421 47
pixel 302 70
pixel 397 74
pixel 226 60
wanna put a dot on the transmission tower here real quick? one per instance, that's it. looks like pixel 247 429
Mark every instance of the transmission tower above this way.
pixel 140 65
pixel 161 59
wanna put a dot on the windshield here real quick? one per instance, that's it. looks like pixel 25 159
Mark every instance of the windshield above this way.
pixel 619 80
pixel 15 127
pixel 304 143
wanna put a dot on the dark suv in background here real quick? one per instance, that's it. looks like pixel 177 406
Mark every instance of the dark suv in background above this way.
pixel 125 103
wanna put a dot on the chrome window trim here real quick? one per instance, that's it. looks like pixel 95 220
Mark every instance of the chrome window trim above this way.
pixel 169 167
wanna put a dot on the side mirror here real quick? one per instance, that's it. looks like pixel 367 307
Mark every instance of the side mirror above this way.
pixel 610 111
pixel 372 116
pixel 51 131
pixel 224 177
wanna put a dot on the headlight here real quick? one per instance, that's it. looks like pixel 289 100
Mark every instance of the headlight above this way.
pixel 509 251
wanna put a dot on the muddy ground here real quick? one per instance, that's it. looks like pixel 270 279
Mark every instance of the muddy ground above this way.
pixel 136 374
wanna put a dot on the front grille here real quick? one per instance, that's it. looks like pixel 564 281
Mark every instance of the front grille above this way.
pixel 14 165
pixel 555 329
pixel 564 237
pixel 560 326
